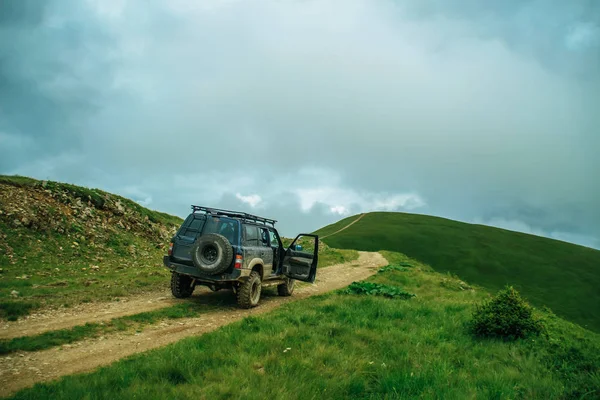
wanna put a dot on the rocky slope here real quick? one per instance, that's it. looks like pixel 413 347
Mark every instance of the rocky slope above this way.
pixel 57 238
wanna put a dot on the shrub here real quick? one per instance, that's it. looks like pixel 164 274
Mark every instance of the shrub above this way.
pixel 506 316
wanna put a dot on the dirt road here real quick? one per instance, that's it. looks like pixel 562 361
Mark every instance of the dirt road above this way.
pixel 79 315
pixel 20 370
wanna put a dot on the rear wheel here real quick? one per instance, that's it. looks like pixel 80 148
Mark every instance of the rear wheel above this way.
pixel 249 291
pixel 287 288
pixel 182 286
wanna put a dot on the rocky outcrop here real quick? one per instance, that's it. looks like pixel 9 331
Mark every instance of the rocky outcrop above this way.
pixel 86 215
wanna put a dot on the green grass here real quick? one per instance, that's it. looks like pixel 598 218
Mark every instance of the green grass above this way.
pixel 329 229
pixel 329 257
pixel 560 275
pixel 351 346
pixel 46 276
pixel 12 310
pixel 60 337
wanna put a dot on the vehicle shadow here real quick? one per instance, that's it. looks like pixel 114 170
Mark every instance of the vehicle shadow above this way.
pixel 224 298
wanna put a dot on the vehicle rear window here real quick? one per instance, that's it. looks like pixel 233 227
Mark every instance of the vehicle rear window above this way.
pixel 192 226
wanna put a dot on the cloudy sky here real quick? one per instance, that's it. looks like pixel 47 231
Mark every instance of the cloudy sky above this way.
pixel 310 110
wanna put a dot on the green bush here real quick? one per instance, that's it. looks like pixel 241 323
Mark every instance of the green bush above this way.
pixel 506 316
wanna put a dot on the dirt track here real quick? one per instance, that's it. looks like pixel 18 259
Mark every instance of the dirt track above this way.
pixel 344 228
pixel 24 369
pixel 79 315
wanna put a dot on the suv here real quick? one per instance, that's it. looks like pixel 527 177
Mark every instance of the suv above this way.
pixel 233 250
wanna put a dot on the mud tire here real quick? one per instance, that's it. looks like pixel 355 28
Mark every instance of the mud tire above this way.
pixel 287 288
pixel 181 285
pixel 212 253
pixel 248 294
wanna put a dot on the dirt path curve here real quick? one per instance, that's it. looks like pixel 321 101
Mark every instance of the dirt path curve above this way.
pixel 344 228
pixel 21 370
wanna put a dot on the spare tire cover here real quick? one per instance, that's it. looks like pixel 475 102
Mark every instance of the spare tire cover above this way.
pixel 212 253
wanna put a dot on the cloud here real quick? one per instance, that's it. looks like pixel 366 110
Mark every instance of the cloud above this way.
pixel 583 36
pixel 341 210
pixel 252 200
pixel 454 108
pixel 347 199
pixel 520 226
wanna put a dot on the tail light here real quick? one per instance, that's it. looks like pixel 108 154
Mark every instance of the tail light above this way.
pixel 170 249
pixel 238 261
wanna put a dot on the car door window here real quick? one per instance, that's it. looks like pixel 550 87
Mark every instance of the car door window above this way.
pixel 273 239
pixel 264 237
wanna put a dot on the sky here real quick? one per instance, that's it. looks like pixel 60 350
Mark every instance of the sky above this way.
pixel 308 111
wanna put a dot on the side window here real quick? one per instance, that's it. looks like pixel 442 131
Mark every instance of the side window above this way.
pixel 228 229
pixel 273 237
pixel 251 235
pixel 264 237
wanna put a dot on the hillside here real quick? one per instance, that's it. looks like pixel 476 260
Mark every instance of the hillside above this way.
pixel 559 275
pixel 339 345
pixel 62 244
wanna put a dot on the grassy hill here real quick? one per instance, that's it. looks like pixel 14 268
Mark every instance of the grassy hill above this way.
pixel 342 345
pixel 560 275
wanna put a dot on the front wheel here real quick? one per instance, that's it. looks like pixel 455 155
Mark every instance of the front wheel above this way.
pixel 249 291
pixel 287 288
pixel 182 286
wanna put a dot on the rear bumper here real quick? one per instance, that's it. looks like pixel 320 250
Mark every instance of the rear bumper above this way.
pixel 193 272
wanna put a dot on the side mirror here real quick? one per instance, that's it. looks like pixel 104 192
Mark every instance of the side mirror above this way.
pixel 298 247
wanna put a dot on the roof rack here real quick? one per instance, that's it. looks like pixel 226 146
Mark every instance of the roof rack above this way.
pixel 235 214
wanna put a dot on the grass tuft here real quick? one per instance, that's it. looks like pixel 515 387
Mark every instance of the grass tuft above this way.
pixel 376 289
pixel 12 310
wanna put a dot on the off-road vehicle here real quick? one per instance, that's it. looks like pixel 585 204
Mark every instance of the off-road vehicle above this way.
pixel 225 249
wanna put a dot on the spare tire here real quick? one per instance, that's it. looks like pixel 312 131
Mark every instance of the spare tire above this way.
pixel 212 253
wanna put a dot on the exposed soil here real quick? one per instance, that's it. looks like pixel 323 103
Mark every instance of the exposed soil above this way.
pixel 24 369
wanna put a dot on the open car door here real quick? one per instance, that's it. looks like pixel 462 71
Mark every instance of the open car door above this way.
pixel 301 258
